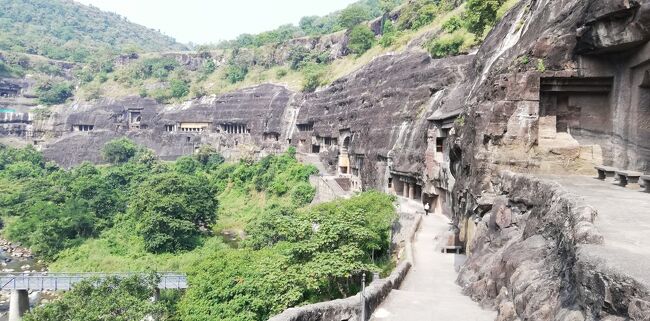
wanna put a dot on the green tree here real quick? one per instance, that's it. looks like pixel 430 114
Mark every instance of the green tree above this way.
pixel 353 15
pixel 113 298
pixel 302 194
pixel 119 150
pixel 313 76
pixel 236 73
pixel 179 88
pixel 51 93
pixel 480 14
pixel 209 157
pixel 172 208
pixel 361 39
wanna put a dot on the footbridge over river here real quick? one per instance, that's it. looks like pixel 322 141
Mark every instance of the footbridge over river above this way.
pixel 21 283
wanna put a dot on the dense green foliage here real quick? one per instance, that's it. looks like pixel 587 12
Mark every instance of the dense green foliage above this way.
pixel 115 299
pixel 347 18
pixel 353 15
pixel 54 209
pixel 292 257
pixel 420 13
pixel 481 14
pixel 119 151
pixel 172 208
pixel 313 74
pixel 67 30
pixel 361 39
pixel 451 44
pixel 52 93
pixel 126 216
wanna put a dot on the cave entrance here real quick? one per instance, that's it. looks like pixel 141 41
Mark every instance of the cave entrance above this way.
pixel 575 113
pixel 344 157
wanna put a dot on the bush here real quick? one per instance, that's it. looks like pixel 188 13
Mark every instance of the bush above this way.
pixel 298 57
pixel 361 39
pixel 236 73
pixel 187 165
pixel 113 298
pixel 209 67
pixel 480 14
pixel 280 73
pixel 418 13
pixel 313 76
pixel 119 150
pixel 209 157
pixel 454 23
pixel 451 44
pixel 171 209
pixel 179 88
pixel 302 194
pixel 352 16
pixel 50 93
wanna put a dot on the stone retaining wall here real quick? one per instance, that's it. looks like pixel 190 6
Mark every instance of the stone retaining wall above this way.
pixel 524 259
pixel 350 308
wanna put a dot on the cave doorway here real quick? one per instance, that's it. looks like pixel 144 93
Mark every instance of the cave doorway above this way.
pixel 576 112
pixel 344 157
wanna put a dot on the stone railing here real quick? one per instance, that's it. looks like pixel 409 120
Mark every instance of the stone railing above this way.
pixel 350 308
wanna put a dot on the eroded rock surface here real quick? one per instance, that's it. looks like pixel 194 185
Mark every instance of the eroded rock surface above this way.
pixel 557 87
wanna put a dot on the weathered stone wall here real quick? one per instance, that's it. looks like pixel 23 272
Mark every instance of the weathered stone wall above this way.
pixel 262 110
pixel 559 86
pixel 383 109
pixel 524 252
pixel 348 308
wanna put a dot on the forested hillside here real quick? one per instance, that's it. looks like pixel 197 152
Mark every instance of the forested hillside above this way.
pixel 216 221
pixel 66 30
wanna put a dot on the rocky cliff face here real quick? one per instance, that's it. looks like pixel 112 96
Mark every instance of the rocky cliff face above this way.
pixel 557 86
pixel 247 123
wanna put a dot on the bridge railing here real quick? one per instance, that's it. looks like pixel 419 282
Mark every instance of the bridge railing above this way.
pixel 65 281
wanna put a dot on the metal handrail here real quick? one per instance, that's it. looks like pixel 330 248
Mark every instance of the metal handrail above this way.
pixel 65 281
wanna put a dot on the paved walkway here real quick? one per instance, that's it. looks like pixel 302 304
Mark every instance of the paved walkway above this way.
pixel 623 219
pixel 429 292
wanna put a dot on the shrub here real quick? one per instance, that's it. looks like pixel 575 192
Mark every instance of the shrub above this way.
pixel 50 93
pixel 541 66
pixel 480 14
pixel 313 75
pixel 113 298
pixel 119 150
pixel 389 34
pixel 302 194
pixel 280 73
pixel 298 57
pixel 418 14
pixel 454 23
pixel 361 39
pixel 209 67
pixel 352 16
pixel 187 165
pixel 171 208
pixel 179 88
pixel 236 73
pixel 451 44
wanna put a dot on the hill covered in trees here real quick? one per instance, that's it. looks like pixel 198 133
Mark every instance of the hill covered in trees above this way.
pixel 66 30
pixel 216 221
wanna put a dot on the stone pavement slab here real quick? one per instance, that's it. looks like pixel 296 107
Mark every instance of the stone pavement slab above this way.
pixel 429 291
pixel 623 219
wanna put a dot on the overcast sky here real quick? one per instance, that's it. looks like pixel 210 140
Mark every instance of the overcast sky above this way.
pixel 204 21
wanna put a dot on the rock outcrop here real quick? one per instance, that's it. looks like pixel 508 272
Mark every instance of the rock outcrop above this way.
pixel 557 86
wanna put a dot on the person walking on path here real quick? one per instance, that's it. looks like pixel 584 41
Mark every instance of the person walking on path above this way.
pixel 426 209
